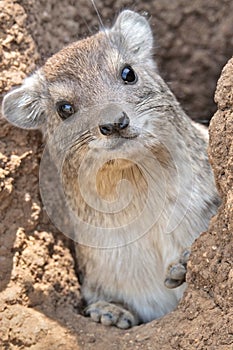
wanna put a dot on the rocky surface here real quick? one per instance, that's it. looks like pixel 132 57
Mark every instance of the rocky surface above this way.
pixel 40 302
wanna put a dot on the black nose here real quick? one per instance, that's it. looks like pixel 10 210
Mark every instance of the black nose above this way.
pixel 106 129
pixel 120 124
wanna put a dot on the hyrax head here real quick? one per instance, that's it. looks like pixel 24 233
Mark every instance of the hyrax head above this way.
pixel 103 85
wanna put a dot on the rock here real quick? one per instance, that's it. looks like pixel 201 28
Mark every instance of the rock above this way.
pixel 39 290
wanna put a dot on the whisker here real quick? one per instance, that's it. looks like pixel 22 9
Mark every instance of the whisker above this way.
pixel 98 15
pixel 143 108
pixel 59 140
pixel 72 142
pixel 105 31
pixel 83 141
pixel 86 24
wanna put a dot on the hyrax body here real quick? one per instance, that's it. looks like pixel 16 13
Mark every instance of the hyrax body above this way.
pixel 108 116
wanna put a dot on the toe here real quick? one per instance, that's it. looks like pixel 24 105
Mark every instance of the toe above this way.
pixel 109 319
pixel 177 272
pixel 111 315
pixel 185 256
pixel 125 322
pixel 93 312
pixel 171 283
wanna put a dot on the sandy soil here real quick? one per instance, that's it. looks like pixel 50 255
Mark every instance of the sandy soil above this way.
pixel 39 292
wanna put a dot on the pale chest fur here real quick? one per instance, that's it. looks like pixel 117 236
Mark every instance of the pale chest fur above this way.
pixel 128 265
pixel 132 275
pixel 137 184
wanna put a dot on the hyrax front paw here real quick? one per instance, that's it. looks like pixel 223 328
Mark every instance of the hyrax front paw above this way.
pixel 176 272
pixel 111 315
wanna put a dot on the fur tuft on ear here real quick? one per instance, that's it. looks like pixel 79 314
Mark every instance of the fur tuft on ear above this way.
pixel 23 106
pixel 136 32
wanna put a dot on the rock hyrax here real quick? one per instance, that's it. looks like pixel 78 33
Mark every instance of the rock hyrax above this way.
pixel 133 168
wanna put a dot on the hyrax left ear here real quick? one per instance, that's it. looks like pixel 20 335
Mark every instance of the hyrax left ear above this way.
pixel 23 106
pixel 136 32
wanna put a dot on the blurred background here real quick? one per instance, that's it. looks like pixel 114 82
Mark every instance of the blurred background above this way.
pixel 193 39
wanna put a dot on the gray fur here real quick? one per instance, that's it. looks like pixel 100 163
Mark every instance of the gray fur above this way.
pixel 123 273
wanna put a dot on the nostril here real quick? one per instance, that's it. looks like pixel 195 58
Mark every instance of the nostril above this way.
pixel 123 122
pixel 110 128
pixel 106 129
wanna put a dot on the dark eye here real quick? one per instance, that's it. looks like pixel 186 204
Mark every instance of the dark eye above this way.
pixel 64 109
pixel 128 75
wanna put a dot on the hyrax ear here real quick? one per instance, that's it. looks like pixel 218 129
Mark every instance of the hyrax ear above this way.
pixel 136 32
pixel 23 106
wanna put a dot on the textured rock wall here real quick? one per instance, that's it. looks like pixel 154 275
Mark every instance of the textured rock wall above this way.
pixel 39 291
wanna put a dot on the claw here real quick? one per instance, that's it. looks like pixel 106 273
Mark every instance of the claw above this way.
pixel 176 272
pixel 111 315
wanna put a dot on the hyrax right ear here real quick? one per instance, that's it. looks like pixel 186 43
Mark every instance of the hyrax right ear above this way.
pixel 23 106
pixel 136 32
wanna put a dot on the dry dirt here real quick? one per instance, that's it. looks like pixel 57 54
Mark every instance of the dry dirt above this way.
pixel 39 291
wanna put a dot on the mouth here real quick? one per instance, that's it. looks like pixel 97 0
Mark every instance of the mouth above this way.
pixel 128 134
pixel 128 137
pixel 119 141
